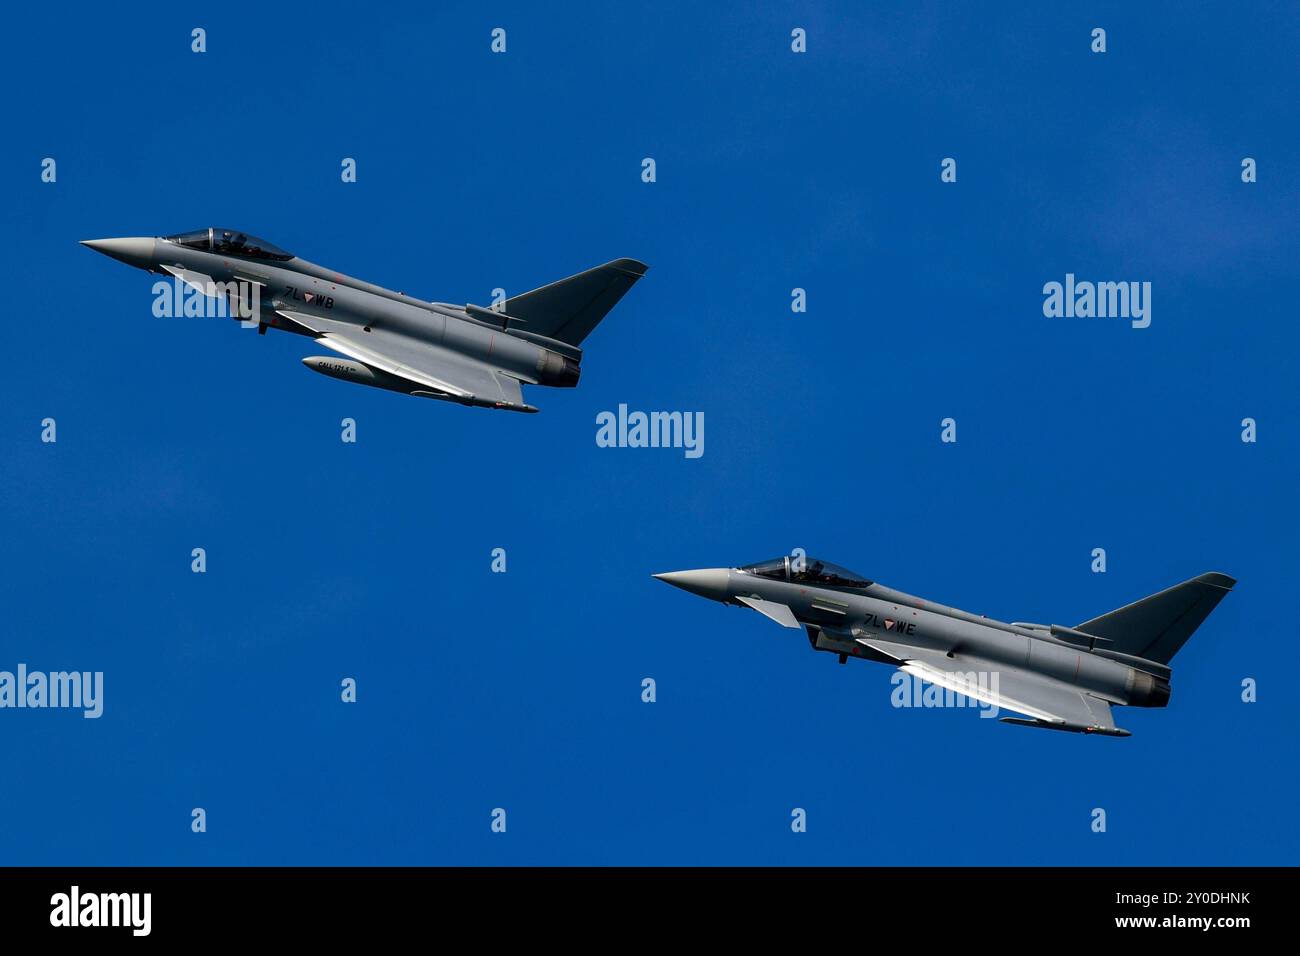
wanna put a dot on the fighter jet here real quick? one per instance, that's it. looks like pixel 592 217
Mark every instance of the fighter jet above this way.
pixel 459 353
pixel 1060 678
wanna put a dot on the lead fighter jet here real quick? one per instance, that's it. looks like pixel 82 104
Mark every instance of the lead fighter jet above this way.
pixel 466 354
pixel 1060 678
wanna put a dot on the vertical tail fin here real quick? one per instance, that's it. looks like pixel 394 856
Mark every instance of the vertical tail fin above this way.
pixel 569 309
pixel 1157 626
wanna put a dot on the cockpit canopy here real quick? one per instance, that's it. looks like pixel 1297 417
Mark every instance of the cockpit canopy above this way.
pixel 230 242
pixel 803 570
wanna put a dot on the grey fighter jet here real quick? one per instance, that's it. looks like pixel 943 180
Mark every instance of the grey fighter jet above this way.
pixel 1060 678
pixel 467 354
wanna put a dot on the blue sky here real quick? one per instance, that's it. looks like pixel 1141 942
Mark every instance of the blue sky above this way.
pixel 522 690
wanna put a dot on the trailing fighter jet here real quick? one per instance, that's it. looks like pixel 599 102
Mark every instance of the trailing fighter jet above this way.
pixel 466 354
pixel 1060 678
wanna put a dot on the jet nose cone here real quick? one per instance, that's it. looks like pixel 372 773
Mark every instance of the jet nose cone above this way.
pixel 134 251
pixel 706 582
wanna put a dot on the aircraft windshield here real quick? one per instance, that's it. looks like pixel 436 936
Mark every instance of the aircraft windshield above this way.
pixel 191 240
pixel 229 242
pixel 807 571
pixel 774 569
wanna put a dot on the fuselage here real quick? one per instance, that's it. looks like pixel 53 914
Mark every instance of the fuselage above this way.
pixel 837 616
pixel 305 288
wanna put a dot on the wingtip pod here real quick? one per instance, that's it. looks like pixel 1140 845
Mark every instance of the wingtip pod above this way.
pixel 474 401
pixel 1068 728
